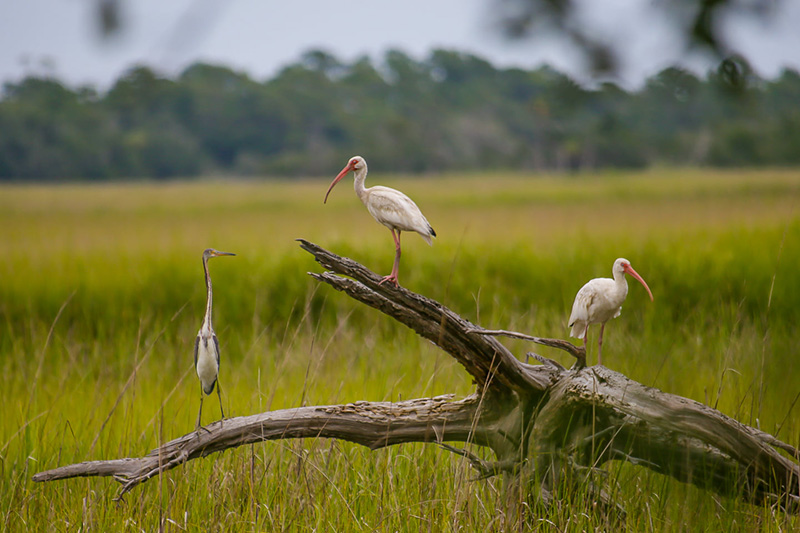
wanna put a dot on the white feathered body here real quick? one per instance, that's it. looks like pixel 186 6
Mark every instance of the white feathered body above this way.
pixel 597 302
pixel 396 211
pixel 206 358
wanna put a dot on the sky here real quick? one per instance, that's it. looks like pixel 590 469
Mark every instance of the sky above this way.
pixel 61 38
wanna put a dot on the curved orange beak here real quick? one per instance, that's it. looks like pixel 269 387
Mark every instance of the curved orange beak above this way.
pixel 629 269
pixel 348 167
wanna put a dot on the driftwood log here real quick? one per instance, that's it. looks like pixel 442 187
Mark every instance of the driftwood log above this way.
pixel 547 425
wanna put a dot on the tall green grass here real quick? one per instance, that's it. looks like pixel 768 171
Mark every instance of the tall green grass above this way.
pixel 101 296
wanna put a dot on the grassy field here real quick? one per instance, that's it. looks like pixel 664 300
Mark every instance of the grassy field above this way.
pixel 101 296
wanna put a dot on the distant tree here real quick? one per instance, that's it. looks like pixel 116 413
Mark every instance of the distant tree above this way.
pixel 50 132
pixel 450 111
pixel 229 114
pixel 781 98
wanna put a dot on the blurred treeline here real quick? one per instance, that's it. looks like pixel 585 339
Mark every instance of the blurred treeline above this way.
pixel 449 112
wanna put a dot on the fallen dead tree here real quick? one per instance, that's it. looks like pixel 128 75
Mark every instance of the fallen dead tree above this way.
pixel 547 425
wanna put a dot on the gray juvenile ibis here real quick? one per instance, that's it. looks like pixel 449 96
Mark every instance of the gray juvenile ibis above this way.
pixel 388 206
pixel 206 346
pixel 600 300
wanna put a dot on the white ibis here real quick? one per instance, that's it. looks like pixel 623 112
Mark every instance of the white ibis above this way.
pixel 206 346
pixel 388 206
pixel 600 300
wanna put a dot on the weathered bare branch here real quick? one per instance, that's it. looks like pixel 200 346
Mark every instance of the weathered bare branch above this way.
pixel 371 424
pixel 663 432
pixel 578 352
pixel 486 469
pixel 484 358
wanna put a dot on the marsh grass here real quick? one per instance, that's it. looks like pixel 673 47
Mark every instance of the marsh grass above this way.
pixel 101 296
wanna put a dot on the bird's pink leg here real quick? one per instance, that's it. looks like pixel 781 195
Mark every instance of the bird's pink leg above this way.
pixel 585 340
pixel 395 269
pixel 600 345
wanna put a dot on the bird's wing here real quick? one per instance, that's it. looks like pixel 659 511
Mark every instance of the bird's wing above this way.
pixel 395 210
pixel 580 307
pixel 216 348
pixel 196 348
pixel 603 304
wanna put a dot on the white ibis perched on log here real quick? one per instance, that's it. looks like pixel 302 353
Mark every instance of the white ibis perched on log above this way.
pixel 388 206
pixel 206 346
pixel 600 300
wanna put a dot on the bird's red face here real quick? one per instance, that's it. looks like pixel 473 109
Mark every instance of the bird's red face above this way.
pixel 629 270
pixel 350 166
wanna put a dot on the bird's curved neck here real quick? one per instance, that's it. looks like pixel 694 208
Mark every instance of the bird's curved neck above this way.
pixel 360 176
pixel 207 318
pixel 621 282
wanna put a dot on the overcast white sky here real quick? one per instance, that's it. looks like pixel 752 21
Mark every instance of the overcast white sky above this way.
pixel 61 37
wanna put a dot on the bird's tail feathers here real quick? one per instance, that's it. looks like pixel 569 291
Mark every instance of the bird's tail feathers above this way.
pixel 578 330
pixel 427 236
pixel 209 389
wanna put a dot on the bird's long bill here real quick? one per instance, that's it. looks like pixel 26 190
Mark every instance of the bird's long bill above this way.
pixel 336 180
pixel 217 253
pixel 629 269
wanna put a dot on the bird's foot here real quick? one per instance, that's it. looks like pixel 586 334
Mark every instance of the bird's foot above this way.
pixel 391 278
pixel 198 428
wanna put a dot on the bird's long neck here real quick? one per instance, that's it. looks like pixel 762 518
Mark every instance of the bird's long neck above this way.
pixel 360 176
pixel 621 284
pixel 207 318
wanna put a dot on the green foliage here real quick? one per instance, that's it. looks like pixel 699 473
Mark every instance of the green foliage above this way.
pixel 449 112
pixel 121 263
